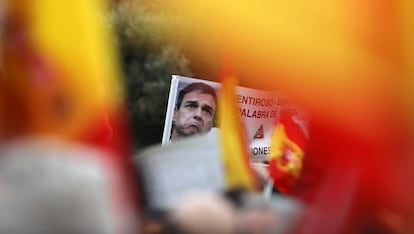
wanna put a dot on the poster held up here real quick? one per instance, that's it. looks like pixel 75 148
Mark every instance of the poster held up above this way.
pixel 258 110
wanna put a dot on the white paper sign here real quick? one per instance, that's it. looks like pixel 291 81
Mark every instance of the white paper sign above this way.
pixel 258 109
pixel 173 170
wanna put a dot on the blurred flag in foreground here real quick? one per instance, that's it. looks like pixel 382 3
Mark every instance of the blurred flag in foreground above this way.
pixel 58 69
pixel 233 141
pixel 350 65
pixel 287 152
pixel 59 82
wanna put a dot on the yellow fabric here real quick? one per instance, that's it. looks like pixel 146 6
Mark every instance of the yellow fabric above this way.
pixel 348 51
pixel 233 143
pixel 72 40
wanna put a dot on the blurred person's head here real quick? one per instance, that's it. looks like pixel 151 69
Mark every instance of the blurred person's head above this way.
pixel 257 220
pixel 202 213
pixel 257 214
pixel 49 186
pixel 195 110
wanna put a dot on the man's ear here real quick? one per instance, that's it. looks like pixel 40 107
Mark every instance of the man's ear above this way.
pixel 215 121
pixel 175 114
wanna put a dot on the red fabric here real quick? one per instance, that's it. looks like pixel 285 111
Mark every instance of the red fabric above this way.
pixel 284 179
pixel 353 184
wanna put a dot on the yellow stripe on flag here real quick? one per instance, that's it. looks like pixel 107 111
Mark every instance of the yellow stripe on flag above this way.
pixel 233 141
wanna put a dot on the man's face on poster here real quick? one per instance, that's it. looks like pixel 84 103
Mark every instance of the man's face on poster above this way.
pixel 195 114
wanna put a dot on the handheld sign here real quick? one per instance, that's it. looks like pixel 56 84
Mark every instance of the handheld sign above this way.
pixel 258 110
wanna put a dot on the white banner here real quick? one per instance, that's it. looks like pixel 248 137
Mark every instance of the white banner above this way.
pixel 258 109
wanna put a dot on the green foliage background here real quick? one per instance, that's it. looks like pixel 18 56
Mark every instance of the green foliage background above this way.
pixel 154 43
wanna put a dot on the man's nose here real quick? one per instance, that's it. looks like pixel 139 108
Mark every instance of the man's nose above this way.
pixel 197 114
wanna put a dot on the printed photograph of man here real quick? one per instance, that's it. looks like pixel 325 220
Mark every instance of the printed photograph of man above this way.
pixel 195 111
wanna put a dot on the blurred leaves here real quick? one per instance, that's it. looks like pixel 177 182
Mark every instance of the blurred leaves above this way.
pixel 151 52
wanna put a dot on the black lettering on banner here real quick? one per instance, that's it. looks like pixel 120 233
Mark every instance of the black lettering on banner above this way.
pixel 258 114
pixel 265 150
pixel 248 100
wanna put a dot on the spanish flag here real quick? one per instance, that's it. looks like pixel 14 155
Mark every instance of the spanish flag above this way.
pixel 60 75
pixel 233 141
pixel 287 152
pixel 60 80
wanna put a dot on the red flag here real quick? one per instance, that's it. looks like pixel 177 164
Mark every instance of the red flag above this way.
pixel 287 152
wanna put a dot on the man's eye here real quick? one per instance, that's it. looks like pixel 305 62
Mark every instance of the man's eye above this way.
pixel 209 112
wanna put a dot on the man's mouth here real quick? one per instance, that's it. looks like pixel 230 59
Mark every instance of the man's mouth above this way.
pixel 194 125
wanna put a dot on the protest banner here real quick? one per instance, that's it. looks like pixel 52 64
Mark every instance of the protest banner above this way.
pixel 258 110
